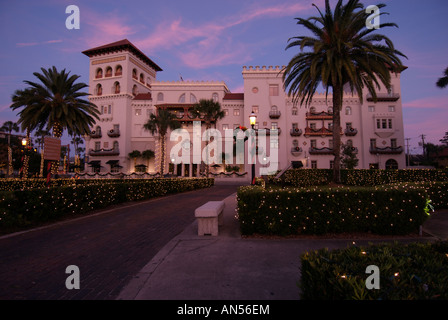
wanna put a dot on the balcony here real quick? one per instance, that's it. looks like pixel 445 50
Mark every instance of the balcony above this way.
pixel 274 114
pixel 386 150
pixel 319 115
pixel 325 150
pixel 114 133
pixel 350 132
pixel 95 135
pixel 104 152
pixel 384 97
pixel 295 132
pixel 296 151
pixel 319 132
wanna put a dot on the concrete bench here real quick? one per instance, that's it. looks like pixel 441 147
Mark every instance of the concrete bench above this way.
pixel 209 216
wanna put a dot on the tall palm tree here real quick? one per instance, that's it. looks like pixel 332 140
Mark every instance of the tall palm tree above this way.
pixel 9 127
pixel 56 103
pixel 443 81
pixel 343 54
pixel 160 124
pixel 210 111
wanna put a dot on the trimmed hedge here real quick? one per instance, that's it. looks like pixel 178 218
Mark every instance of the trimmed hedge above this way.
pixel 394 209
pixel 407 272
pixel 28 207
pixel 359 177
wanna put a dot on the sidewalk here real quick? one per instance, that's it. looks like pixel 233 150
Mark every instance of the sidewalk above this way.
pixel 191 267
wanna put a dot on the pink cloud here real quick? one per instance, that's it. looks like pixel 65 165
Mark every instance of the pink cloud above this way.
pixel 204 45
pixel 429 102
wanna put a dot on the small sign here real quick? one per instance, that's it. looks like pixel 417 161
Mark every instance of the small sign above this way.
pixel 52 148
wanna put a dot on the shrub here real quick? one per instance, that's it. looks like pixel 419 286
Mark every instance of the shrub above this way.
pixel 20 208
pixel 412 271
pixel 320 210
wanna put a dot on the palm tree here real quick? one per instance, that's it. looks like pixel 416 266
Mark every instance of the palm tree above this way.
pixel 443 82
pixel 148 154
pixel 134 155
pixel 160 124
pixel 343 54
pixel 9 127
pixel 55 103
pixel 210 111
pixel 76 141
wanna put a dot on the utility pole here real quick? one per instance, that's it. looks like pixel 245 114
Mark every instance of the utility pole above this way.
pixel 423 143
pixel 407 152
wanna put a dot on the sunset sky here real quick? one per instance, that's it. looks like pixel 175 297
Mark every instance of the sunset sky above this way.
pixel 213 40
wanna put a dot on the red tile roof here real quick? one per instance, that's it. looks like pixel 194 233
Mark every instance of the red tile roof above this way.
pixel 143 96
pixel 233 96
pixel 124 44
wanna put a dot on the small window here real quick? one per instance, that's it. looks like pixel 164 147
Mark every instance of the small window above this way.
pixel 142 78
pixel 372 143
pixel 273 90
pixel 138 112
pixel 226 112
pixel 274 125
pixel 350 143
pixel 109 109
pixel 118 70
pixel 389 123
pixel 312 110
pixel 97 145
pixel 99 73
pixel 313 164
pixel 295 126
pixel 393 143
pixel 330 110
pixel 115 145
pixel 117 87
pixel 348 125
pixel 313 125
pixel 294 111
pixel 331 164
pixel 225 127
pixel 330 143
pixel 391 108
pixel 371 108
pixel 160 96
pixel 106 145
pixel 193 98
pixel 313 143
pixel 134 90
pixel 99 89
pixel 348 111
pixel 109 72
pixel 383 123
pixel 134 73
pixel 215 97
pixel 182 98
pixel 255 109
pixel 236 112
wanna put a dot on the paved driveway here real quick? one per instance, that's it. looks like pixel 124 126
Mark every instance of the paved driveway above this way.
pixel 109 247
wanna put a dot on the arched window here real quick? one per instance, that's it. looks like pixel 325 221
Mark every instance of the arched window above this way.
pixel 99 73
pixel 193 98
pixel 109 72
pixel 118 70
pixel 115 145
pixel 348 111
pixel 295 143
pixel 99 89
pixel 160 96
pixel 391 164
pixel 98 130
pixel 182 98
pixel 148 82
pixel 142 78
pixel 350 143
pixel 274 108
pixel 312 110
pixel 215 97
pixel 134 90
pixel 330 110
pixel 134 73
pixel 294 111
pixel 117 87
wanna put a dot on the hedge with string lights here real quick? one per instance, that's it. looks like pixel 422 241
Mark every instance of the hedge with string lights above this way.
pixel 395 209
pixel 417 271
pixel 357 177
pixel 20 208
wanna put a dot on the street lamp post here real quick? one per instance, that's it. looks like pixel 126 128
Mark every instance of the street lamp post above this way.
pixel 253 121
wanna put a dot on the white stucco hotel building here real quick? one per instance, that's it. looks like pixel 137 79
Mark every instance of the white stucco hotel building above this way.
pixel 123 84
